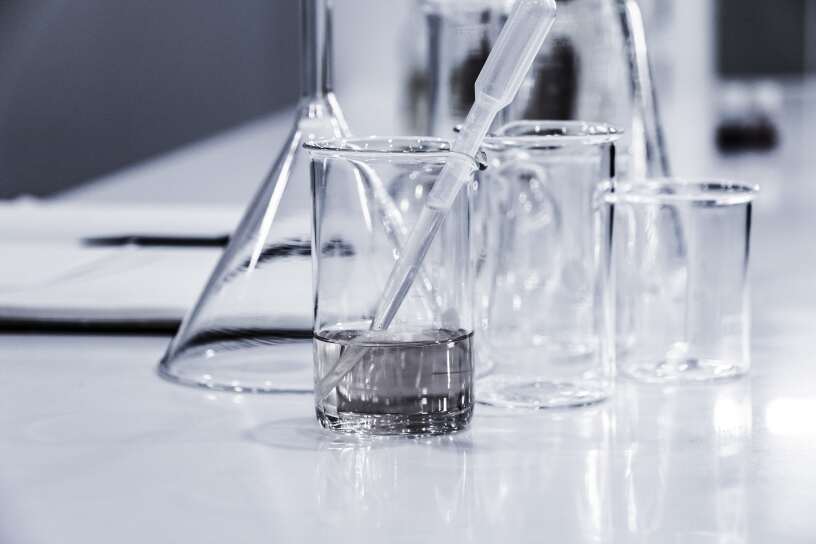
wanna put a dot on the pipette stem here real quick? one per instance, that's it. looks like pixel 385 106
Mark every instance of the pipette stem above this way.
pixel 402 277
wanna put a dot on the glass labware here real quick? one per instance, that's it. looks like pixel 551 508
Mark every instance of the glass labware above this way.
pixel 251 327
pixel 415 377
pixel 544 310
pixel 680 253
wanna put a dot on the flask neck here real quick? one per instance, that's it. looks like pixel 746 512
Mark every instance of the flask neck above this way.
pixel 316 48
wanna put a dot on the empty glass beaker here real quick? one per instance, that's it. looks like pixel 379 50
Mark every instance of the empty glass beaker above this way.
pixel 415 377
pixel 681 264
pixel 250 329
pixel 543 307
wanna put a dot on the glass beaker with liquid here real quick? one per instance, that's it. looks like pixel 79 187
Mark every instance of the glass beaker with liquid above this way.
pixel 416 376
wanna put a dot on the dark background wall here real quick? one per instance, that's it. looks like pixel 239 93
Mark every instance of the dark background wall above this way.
pixel 761 38
pixel 89 86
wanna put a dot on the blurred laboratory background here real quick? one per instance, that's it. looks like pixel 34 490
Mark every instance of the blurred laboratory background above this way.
pixel 89 87
pixel 92 88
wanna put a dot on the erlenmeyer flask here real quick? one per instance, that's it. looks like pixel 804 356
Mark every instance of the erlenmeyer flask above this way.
pixel 251 327
pixel 593 67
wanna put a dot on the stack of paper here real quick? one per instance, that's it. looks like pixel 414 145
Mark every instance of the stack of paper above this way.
pixel 68 266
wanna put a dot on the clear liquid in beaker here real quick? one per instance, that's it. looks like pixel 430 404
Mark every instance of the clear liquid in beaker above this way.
pixel 404 383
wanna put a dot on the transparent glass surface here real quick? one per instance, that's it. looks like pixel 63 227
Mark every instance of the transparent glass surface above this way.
pixel 416 376
pixel 543 310
pixel 251 328
pixel 594 66
pixel 681 252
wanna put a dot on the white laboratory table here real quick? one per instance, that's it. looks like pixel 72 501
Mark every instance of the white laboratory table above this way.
pixel 96 448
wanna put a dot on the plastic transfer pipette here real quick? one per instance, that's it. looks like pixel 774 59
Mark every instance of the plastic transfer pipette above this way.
pixel 508 63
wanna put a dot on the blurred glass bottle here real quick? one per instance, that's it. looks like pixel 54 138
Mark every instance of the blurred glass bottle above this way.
pixel 593 67
pixel 460 34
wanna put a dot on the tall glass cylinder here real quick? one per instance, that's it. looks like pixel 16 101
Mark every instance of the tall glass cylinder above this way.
pixel 415 377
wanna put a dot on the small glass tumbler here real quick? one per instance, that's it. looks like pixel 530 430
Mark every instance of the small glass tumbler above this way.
pixel 681 251
pixel 416 376
pixel 543 309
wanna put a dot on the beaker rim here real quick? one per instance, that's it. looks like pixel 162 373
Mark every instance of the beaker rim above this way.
pixel 710 192
pixel 544 134
pixel 424 147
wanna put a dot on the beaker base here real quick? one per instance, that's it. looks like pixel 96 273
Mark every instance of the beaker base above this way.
pixel 688 370
pixel 539 393
pixel 395 424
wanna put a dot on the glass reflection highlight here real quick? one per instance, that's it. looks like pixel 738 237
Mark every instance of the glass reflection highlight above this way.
pixel 684 455
pixel 791 417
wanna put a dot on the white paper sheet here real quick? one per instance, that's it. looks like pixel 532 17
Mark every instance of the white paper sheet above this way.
pixel 48 276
